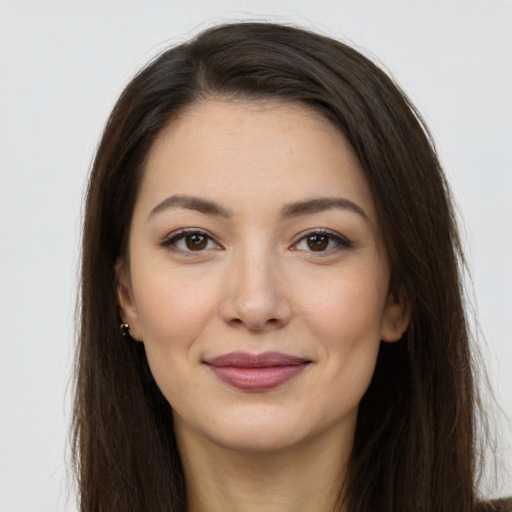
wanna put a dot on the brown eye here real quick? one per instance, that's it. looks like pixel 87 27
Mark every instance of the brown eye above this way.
pixel 196 242
pixel 322 242
pixel 318 242
pixel 190 241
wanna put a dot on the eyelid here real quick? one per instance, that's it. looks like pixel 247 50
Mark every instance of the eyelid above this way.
pixel 167 243
pixel 342 241
pixel 170 239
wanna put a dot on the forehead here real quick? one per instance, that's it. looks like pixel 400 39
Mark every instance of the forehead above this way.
pixel 253 151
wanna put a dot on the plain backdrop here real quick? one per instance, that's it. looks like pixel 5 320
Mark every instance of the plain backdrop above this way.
pixel 62 65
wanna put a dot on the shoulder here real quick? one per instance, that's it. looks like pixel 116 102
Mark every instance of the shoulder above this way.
pixel 503 505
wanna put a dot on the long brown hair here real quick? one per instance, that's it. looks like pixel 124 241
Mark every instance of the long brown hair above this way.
pixel 414 440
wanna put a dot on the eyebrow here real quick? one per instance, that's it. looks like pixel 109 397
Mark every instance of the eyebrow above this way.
pixel 297 209
pixel 320 204
pixel 191 203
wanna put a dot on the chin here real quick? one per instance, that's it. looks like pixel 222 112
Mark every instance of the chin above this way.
pixel 253 431
pixel 257 439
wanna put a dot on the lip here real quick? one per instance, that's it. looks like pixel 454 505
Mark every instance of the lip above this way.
pixel 255 372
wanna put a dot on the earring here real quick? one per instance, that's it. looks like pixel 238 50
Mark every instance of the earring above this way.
pixel 125 331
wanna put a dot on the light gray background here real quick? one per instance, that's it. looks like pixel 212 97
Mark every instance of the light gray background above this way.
pixel 62 65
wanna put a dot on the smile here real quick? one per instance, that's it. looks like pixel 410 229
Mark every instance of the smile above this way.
pixel 256 372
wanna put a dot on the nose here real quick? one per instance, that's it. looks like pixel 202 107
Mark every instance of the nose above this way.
pixel 255 298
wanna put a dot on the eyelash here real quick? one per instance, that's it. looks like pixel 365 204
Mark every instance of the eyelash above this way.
pixel 171 241
pixel 340 241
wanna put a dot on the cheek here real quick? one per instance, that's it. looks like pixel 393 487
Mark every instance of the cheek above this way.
pixel 345 307
pixel 174 310
pixel 344 313
pixel 173 306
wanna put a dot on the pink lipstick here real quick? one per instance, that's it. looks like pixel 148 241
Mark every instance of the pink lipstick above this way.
pixel 255 372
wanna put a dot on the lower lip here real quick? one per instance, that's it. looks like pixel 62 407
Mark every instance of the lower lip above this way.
pixel 256 379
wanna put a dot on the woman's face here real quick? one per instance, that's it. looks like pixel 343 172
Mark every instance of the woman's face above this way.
pixel 257 276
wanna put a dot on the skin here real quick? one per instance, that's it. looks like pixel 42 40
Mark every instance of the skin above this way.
pixel 256 284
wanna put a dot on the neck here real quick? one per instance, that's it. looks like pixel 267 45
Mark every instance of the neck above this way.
pixel 303 478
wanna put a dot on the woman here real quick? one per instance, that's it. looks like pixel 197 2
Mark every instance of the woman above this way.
pixel 271 300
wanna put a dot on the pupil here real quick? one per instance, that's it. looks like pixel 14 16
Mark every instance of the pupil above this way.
pixel 196 242
pixel 318 242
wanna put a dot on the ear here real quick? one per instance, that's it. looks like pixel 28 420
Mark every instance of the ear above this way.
pixel 127 306
pixel 397 315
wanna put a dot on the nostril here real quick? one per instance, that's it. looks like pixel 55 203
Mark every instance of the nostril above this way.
pixel 271 322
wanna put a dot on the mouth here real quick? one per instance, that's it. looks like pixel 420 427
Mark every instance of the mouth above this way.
pixel 256 372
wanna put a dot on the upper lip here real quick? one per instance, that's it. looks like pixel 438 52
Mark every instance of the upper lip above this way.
pixel 248 360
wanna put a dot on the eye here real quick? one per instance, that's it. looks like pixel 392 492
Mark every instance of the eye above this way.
pixel 322 242
pixel 190 241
